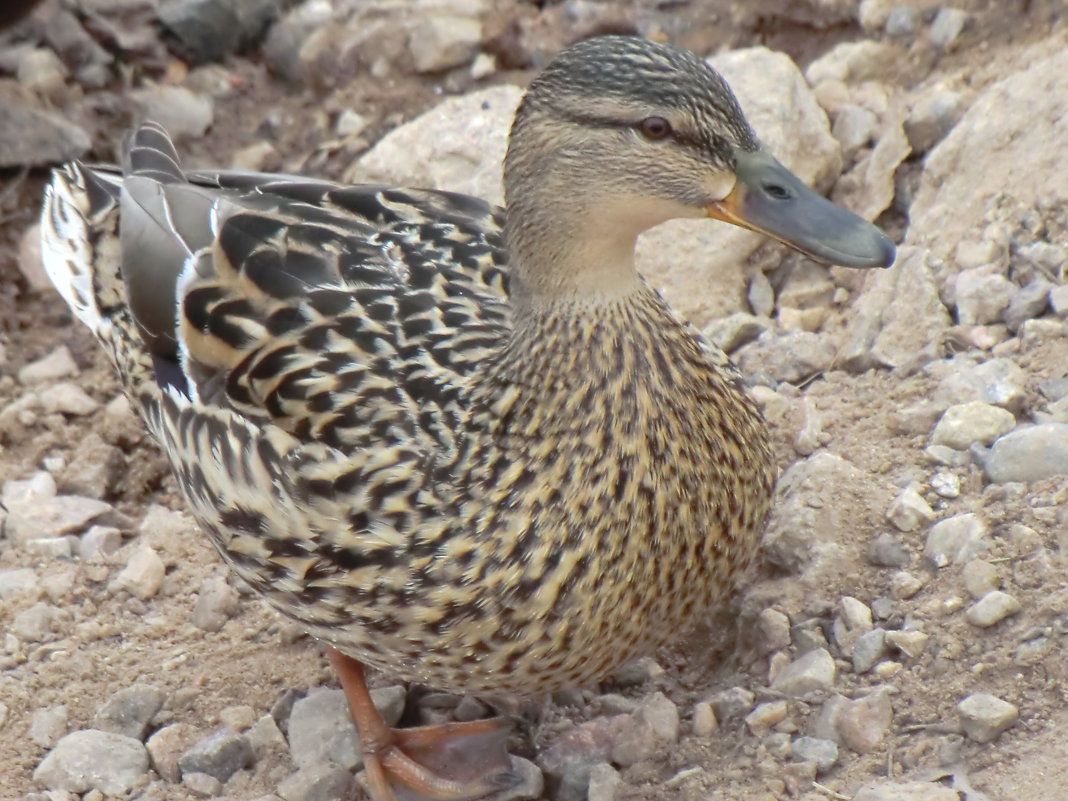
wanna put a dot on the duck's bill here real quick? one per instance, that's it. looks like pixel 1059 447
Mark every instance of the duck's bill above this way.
pixel 771 200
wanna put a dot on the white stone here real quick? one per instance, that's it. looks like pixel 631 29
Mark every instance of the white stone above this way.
pixel 1028 454
pixel 854 127
pixel 984 716
pixel 992 608
pixel 909 511
pixel 143 574
pixel 956 539
pixel 94 760
pixel 967 423
pixel 811 672
pixel 350 123
pixel 904 585
pixel 947 27
pixel 67 398
pixel 439 42
pixel 853 62
pixel 911 643
pixel 57 364
pixel 906 791
pixel 182 112
pixel 997 149
pixel 982 297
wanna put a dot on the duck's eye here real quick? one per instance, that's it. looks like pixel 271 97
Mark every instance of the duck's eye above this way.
pixel 654 128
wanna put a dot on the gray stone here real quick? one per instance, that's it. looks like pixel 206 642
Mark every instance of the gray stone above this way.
pixel 217 602
pixel 909 511
pixel 911 643
pixel 18 581
pixel 773 631
pixel 585 744
pixel 790 356
pixel 438 42
pixel 182 112
pixel 982 297
pixel 40 70
pixel 862 724
pixel 104 540
pixel 992 608
pixel 947 27
pixel 67 398
pixel 980 577
pixel 529 782
pixel 932 117
pixel 202 784
pixel 868 189
pixel 732 703
pixel 898 317
pixel 143 574
pixel 266 739
pixel 1028 454
pixel 31 136
pixel 167 745
pixel 1029 302
pixel 210 29
pixel 854 128
pixel 824 753
pixel 281 49
pixel 322 781
pixel 1000 382
pixel 129 711
pixel 811 672
pixel 886 550
pixel 956 539
pixel 765 717
pixel 35 623
pixel 906 791
pixel 902 21
pixel 55 365
pixel 984 717
pixel 868 649
pixel 731 332
pixel 47 725
pixel 50 548
pixel 654 724
pixel 605 782
pixel 946 485
pixel 321 728
pixel 704 719
pixel 221 755
pixel 94 760
pixel 965 424
pixel 853 62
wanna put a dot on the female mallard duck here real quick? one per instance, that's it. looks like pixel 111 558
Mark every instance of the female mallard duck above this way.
pixel 467 446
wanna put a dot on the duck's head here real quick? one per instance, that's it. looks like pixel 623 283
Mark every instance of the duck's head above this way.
pixel 619 134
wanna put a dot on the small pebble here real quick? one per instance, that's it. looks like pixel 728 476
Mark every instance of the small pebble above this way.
pixel 1028 454
pixel 773 630
pixel 909 511
pixel 811 672
pixel 967 423
pixel 57 364
pixel 605 782
pixel 35 624
pixel 911 643
pixel 129 711
pixel 992 608
pixel 94 760
pixel 18 581
pixel 266 739
pixel 868 649
pixel 143 574
pixel 47 725
pixel 167 745
pixel 824 753
pixel 956 539
pixel 946 485
pixel 980 577
pixel 863 723
pixel 984 717
pixel 902 21
pixel 906 791
pixel 202 784
pixel 217 602
pixel 221 755
pixel 704 719
pixel 322 781
pixel 732 703
pixel 765 717
pixel 947 27
pixel 886 550
pixel 104 540
pixel 654 724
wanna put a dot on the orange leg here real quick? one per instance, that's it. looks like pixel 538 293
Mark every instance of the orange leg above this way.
pixel 450 762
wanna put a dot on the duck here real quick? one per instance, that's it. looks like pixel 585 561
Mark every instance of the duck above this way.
pixel 468 446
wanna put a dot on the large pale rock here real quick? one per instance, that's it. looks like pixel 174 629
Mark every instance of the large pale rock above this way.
pixel 898 315
pixel 1010 142
pixel 868 189
pixel 458 145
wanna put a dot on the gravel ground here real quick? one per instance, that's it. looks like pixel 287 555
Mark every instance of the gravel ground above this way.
pixel 904 636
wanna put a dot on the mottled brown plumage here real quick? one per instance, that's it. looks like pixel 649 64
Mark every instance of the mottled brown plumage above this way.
pixel 469 447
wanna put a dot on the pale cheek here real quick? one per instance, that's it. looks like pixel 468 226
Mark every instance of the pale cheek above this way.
pixel 718 184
